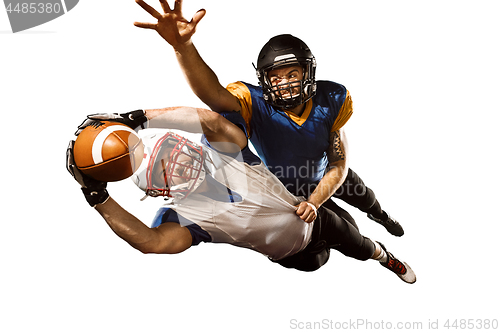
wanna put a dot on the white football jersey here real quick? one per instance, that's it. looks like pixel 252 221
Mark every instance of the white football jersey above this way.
pixel 263 219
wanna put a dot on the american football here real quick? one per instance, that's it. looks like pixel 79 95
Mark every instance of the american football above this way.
pixel 108 151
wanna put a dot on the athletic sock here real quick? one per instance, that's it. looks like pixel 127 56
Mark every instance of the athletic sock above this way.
pixel 382 257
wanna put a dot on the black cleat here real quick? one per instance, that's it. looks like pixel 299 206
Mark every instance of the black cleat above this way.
pixel 400 268
pixel 390 224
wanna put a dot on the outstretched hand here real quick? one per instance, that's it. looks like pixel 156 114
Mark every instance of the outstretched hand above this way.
pixel 171 25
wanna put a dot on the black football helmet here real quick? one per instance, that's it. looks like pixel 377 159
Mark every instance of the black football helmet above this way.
pixel 280 51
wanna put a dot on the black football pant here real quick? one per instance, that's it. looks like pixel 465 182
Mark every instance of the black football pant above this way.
pixel 335 228
pixel 332 230
pixel 354 192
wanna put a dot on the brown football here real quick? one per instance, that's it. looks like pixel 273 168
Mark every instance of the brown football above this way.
pixel 108 151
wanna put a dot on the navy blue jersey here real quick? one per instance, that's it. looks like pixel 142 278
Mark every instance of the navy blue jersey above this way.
pixel 294 147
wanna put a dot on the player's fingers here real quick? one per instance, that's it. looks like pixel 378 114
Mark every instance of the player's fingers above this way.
pixel 178 6
pixel 85 123
pixel 306 211
pixel 311 217
pixel 149 9
pixel 69 155
pixel 165 6
pixel 70 164
pixel 104 116
pixel 198 16
pixel 145 25
pixel 300 209
pixel 313 208
pixel 307 216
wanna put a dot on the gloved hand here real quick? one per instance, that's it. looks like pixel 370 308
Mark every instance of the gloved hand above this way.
pixel 94 190
pixel 133 119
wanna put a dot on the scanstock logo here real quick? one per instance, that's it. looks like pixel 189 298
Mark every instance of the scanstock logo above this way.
pixel 26 14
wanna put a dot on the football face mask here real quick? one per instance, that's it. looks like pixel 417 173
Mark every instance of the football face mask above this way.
pixel 293 92
pixel 175 168
pixel 287 83
pixel 280 51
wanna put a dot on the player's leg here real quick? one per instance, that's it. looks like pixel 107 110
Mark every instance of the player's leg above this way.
pixel 315 255
pixel 342 236
pixel 331 205
pixel 354 192
pixel 345 238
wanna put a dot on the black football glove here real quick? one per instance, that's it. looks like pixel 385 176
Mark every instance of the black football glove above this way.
pixel 133 119
pixel 94 190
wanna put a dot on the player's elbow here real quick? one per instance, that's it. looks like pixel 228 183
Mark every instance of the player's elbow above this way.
pixel 340 168
pixel 150 249
pixel 147 248
pixel 212 122
pixel 159 248
pixel 221 100
pixel 169 240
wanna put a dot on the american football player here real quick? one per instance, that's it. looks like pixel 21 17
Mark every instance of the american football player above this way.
pixel 294 121
pixel 221 192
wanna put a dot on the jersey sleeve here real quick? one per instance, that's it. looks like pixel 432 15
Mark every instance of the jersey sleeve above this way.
pixel 344 114
pixel 242 93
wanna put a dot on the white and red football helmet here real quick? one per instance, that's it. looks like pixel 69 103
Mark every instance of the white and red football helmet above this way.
pixel 174 168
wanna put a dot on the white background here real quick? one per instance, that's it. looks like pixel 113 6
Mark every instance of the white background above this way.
pixel 424 76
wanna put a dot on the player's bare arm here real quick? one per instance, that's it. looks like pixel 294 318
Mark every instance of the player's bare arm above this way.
pixel 217 129
pixel 168 238
pixel 337 169
pixel 177 31
pixel 332 180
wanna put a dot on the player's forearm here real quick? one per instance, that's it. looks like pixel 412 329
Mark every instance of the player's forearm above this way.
pixel 330 183
pixel 188 119
pixel 222 134
pixel 203 81
pixel 337 169
pixel 127 226
pixel 199 76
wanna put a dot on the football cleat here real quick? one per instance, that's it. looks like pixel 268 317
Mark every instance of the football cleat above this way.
pixel 400 268
pixel 390 224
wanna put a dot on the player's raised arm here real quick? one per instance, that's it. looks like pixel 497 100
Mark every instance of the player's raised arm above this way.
pixel 177 31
